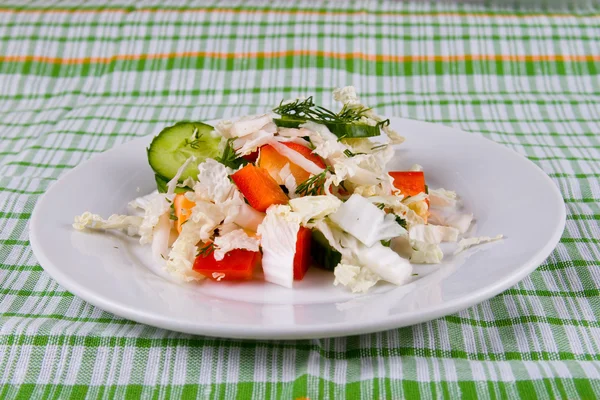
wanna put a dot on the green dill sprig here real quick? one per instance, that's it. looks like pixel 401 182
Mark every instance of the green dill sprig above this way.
pixel 306 110
pixel 229 158
pixel 314 185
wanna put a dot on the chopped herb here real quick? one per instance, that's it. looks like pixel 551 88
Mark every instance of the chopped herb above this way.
pixel 349 154
pixel 401 221
pixel 379 146
pixel 206 250
pixel 229 158
pixel 313 185
pixel 415 274
pixel 386 243
pixel 194 141
pixel 115 247
pixel 426 189
pixel 381 206
pixel 172 215
pixel 310 144
pixel 163 256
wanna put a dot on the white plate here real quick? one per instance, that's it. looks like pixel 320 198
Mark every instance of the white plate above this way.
pixel 507 193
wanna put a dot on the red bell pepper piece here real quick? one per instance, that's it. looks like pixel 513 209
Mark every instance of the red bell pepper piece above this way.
pixel 237 265
pixel 251 157
pixel 302 258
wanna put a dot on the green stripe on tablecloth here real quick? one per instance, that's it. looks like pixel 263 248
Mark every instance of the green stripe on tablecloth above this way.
pixel 410 389
pixel 525 68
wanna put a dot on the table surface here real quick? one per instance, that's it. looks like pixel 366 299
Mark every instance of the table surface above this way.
pixel 79 78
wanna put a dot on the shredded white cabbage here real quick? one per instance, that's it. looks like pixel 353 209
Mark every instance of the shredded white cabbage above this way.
pixel 326 143
pixel 414 199
pixel 384 262
pixel 183 253
pixel 250 124
pixel 451 217
pixel 143 202
pixel 213 181
pixel 357 279
pixel 236 239
pixel 223 129
pixel 156 207
pixel 442 198
pixel 365 221
pixel 206 217
pixel 312 208
pixel 470 242
pixel 172 185
pixel 252 142
pixel 160 239
pixel 296 158
pixel 286 178
pixel 426 253
pixel 433 233
pixel 128 223
pixel 278 233
pixel 246 216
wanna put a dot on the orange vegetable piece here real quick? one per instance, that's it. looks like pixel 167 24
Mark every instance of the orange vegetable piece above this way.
pixel 183 209
pixel 258 187
pixel 410 183
pixel 273 161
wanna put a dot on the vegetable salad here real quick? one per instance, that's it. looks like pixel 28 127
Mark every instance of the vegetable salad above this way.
pixel 282 192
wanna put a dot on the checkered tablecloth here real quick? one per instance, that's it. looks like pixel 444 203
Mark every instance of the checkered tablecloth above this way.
pixel 77 78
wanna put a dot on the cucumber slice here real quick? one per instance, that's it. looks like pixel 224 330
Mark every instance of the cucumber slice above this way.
pixel 175 144
pixel 286 122
pixel 161 185
pixel 346 131
pixel 322 253
pixel 349 131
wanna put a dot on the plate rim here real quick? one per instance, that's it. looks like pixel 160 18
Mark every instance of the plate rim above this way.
pixel 345 328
